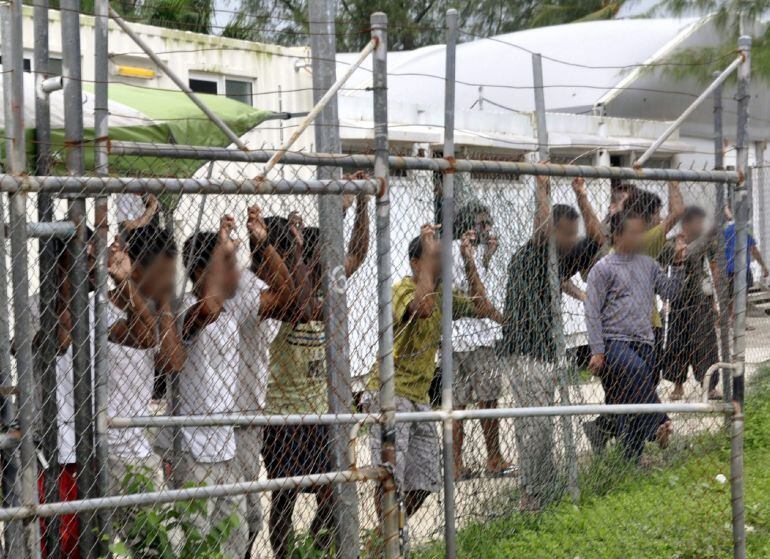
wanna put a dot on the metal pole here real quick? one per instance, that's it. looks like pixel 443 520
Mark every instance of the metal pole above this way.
pixel 79 273
pixel 723 297
pixel 101 210
pixel 320 105
pixel 12 533
pixel 436 415
pixel 447 226
pixel 742 209
pixel 81 186
pixel 563 375
pixel 387 396
pixel 47 349
pixel 718 81
pixel 322 15
pixel 155 498
pixel 438 164
pixel 232 136
pixel 13 91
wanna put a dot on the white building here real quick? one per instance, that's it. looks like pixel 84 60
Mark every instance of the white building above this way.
pixel 605 97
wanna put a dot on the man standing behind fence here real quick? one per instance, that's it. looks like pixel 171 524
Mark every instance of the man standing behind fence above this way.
pixel 256 333
pixel 298 385
pixel 692 337
pixel 528 331
pixel 621 290
pixel 477 377
pixel 64 396
pixel 215 307
pixel 142 336
pixel 416 338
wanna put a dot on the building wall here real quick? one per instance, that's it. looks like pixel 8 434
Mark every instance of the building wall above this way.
pixel 279 76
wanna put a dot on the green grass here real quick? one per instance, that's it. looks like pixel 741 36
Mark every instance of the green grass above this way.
pixel 676 510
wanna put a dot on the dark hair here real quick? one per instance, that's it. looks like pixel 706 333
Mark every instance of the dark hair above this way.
pixel 144 244
pixel 644 203
pixel 58 246
pixel 415 248
pixel 197 251
pixel 618 221
pixel 278 236
pixel 621 188
pixel 563 211
pixel 465 219
pixel 693 212
pixel 312 238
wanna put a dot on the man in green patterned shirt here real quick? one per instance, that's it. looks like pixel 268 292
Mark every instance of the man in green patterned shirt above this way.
pixel 416 338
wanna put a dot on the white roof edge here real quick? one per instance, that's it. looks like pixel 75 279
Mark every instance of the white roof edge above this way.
pixel 657 55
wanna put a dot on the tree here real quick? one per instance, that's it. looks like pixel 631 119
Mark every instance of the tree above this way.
pixel 731 18
pixel 411 23
pixel 188 15
pixel 570 11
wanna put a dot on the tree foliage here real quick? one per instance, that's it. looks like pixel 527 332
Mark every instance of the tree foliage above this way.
pixel 732 18
pixel 411 23
pixel 188 15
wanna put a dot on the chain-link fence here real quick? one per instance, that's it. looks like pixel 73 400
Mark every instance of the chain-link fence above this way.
pixel 202 361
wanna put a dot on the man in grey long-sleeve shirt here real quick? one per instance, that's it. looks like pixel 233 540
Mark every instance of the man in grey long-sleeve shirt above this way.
pixel 621 289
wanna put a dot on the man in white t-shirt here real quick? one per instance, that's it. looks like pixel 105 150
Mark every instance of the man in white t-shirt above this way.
pixel 477 372
pixel 65 484
pixel 220 307
pixel 142 337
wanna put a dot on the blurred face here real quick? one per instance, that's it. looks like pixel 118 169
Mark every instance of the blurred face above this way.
pixel 693 228
pixel 157 280
pixel 483 228
pixel 430 262
pixel 566 234
pixel 631 240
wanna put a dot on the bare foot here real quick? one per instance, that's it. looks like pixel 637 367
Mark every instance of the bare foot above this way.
pixel 461 472
pixel 497 465
pixel 663 435
pixel 678 393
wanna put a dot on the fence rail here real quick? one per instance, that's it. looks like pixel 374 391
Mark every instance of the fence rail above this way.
pixel 171 415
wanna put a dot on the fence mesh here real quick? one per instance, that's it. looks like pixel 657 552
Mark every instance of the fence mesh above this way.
pixel 215 306
pixel 232 410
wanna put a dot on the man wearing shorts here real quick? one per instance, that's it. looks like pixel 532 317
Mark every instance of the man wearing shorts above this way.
pixel 477 374
pixel 298 385
pixel 416 338
pixel 528 343
pixel 215 308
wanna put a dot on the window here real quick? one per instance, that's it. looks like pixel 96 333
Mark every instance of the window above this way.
pixel 238 90
pixel 203 86
pixel 54 66
pixel 27 64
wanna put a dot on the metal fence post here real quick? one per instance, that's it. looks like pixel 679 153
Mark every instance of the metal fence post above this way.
pixel 390 512
pixel 13 92
pixel 79 273
pixel 447 226
pixel 101 209
pixel 723 297
pixel 562 365
pixel 12 533
pixel 742 211
pixel 46 354
pixel 330 218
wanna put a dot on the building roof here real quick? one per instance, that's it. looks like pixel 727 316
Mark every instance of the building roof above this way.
pixel 610 62
pixel 581 63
